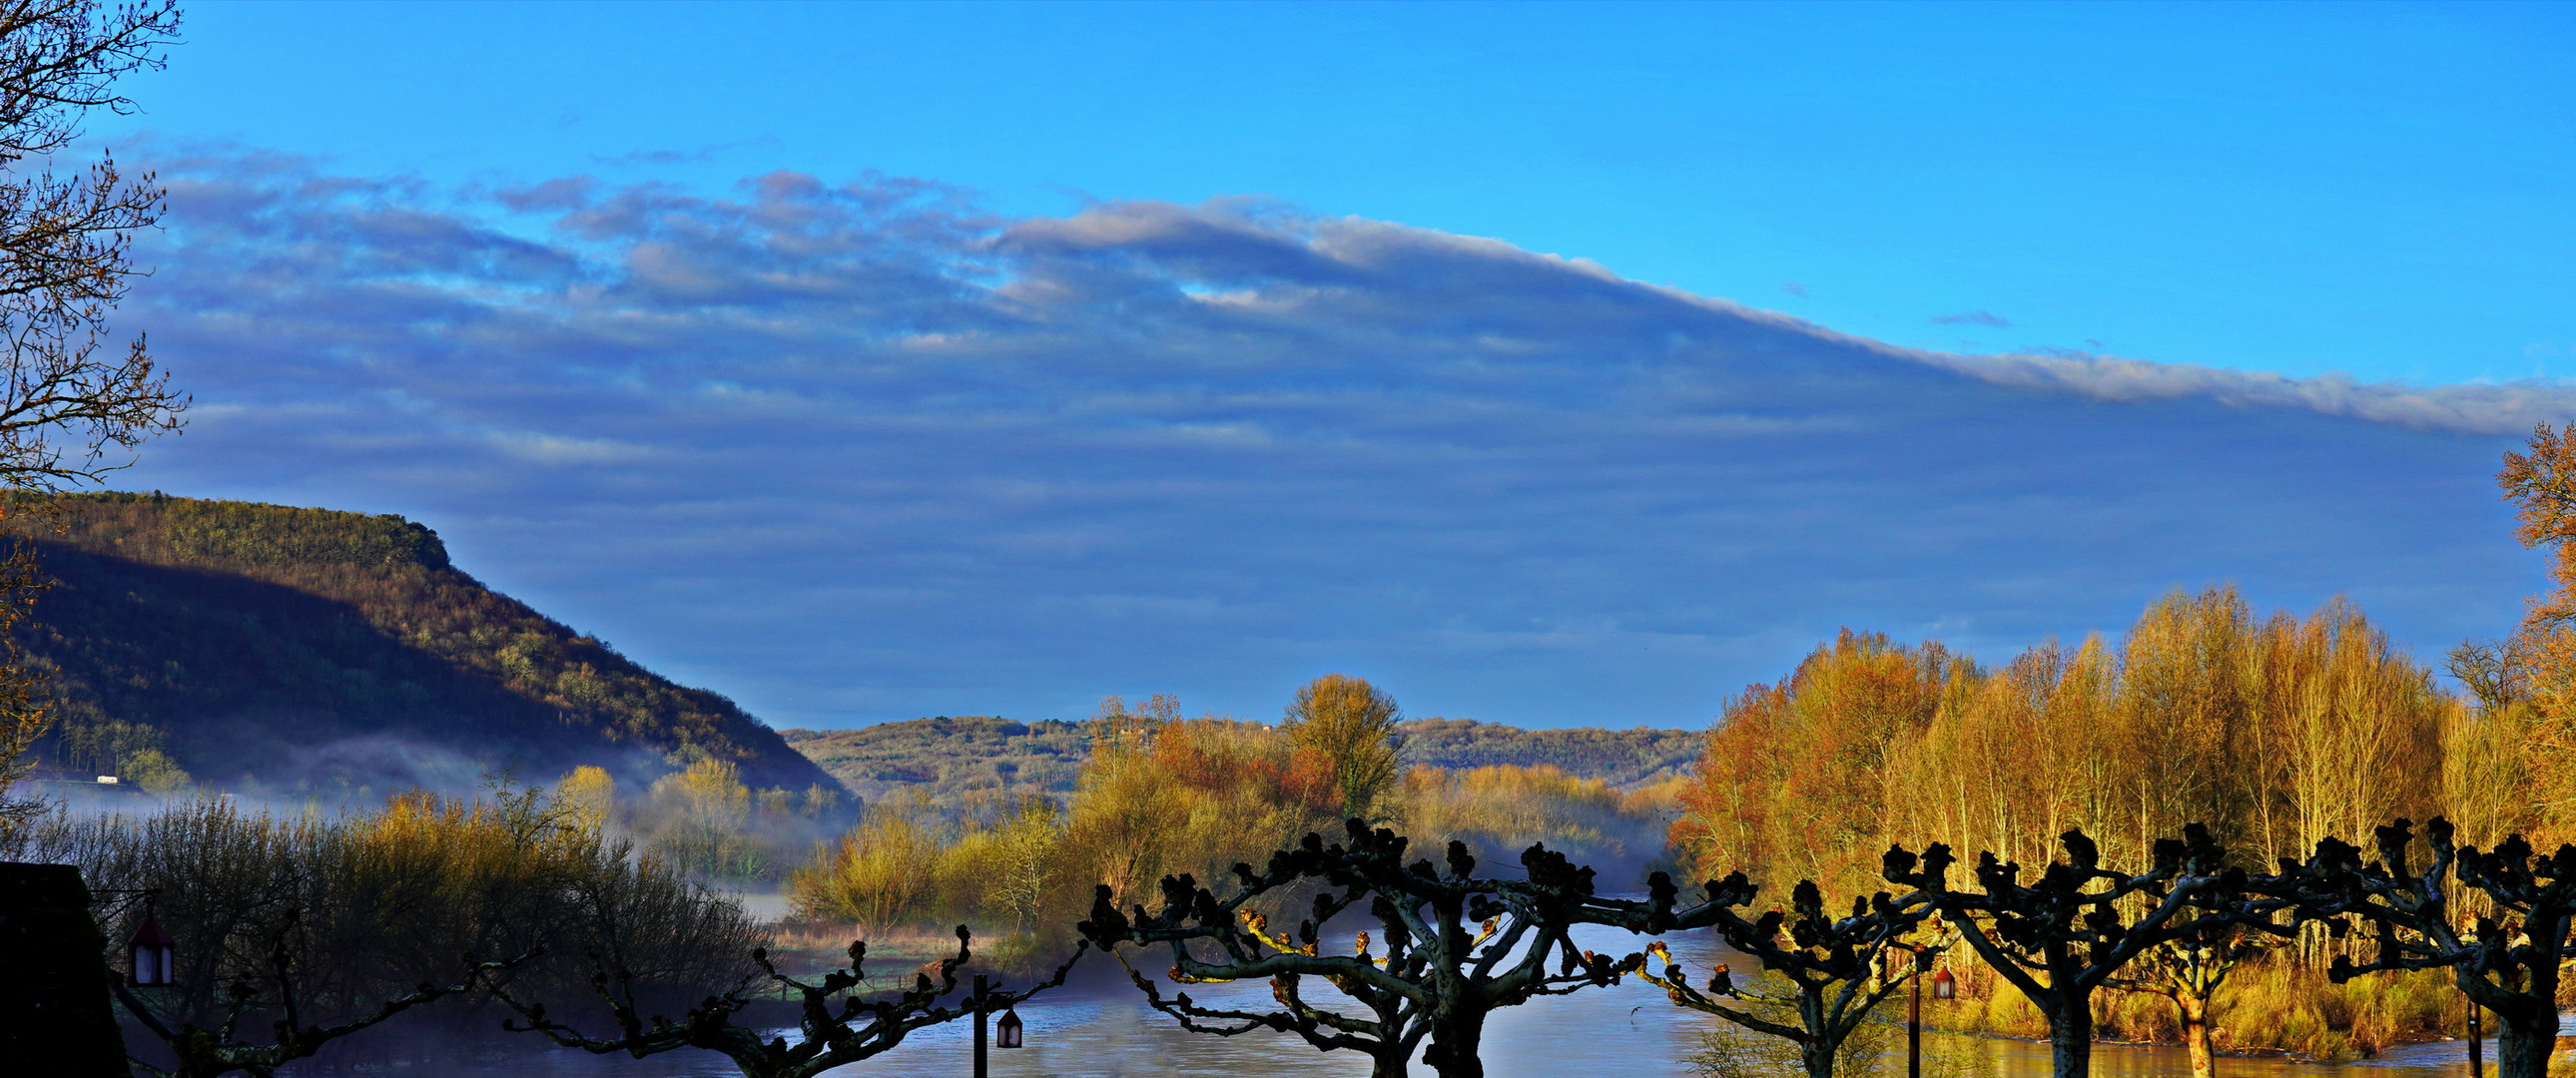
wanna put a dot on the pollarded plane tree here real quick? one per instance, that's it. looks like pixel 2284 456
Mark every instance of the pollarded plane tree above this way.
pixel 2188 971
pixel 1390 1031
pixel 2061 938
pixel 837 1023
pixel 1836 967
pixel 1457 947
pixel 2511 968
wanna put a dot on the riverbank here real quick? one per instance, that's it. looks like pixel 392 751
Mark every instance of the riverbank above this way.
pixel 2274 1007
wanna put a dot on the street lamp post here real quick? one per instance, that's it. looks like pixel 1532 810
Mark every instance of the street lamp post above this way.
pixel 1943 987
pixel 2477 1047
pixel 980 1071
pixel 2477 1035
pixel 1006 1033
pixel 1914 1017
pixel 1920 960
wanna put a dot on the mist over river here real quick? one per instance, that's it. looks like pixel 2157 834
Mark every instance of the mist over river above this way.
pixel 1104 1030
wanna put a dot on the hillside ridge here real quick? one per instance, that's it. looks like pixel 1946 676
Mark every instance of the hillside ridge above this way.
pixel 307 650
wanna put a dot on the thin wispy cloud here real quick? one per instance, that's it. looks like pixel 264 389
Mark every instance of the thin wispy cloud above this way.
pixel 707 152
pixel 1972 318
pixel 866 450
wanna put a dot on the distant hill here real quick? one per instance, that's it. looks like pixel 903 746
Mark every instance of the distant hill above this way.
pixel 313 651
pixel 1625 758
pixel 944 757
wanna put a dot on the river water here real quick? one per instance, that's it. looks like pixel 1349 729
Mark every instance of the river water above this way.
pixel 1105 1031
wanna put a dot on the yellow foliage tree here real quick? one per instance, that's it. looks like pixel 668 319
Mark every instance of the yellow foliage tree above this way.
pixel 589 797
pixel 2274 732
pixel 1350 725
pixel 704 812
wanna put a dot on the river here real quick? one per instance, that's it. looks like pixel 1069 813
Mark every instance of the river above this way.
pixel 1632 1030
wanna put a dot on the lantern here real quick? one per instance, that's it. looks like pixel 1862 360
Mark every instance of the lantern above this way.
pixel 1944 986
pixel 1006 1033
pixel 155 955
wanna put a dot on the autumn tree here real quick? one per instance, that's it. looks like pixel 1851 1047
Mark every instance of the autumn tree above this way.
pixel 2538 666
pixel 1457 946
pixel 2062 937
pixel 1350 725
pixel 703 815
pixel 1836 966
pixel 69 396
pixel 1164 796
pixel 1793 783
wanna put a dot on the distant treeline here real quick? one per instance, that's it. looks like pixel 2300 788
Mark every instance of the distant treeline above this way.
pixel 318 652
pixel 944 758
pixel 1153 794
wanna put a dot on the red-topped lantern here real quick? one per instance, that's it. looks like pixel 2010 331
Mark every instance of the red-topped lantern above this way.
pixel 1944 986
pixel 155 955
pixel 1006 1033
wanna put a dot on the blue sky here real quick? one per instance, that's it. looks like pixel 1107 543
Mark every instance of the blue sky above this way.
pixel 1549 364
pixel 2379 189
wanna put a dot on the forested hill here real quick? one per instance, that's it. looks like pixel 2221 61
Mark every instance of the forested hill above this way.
pixel 307 650
pixel 943 757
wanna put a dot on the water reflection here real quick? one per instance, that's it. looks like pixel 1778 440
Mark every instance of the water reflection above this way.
pixel 1107 1032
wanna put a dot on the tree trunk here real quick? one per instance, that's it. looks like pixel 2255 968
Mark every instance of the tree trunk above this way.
pixel 2522 1048
pixel 1456 1038
pixel 2070 1038
pixel 1818 1055
pixel 1390 1061
pixel 2195 1036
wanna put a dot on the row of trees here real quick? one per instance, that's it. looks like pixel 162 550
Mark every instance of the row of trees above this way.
pixel 1452 946
pixel 321 928
pixel 2275 732
pixel 706 821
pixel 326 922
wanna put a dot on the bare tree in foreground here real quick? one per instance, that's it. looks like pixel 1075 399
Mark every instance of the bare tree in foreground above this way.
pixel 67 395
pixel 2511 968
pixel 209 1051
pixel 64 242
pixel 2061 938
pixel 1834 965
pixel 829 1035
pixel 1457 946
